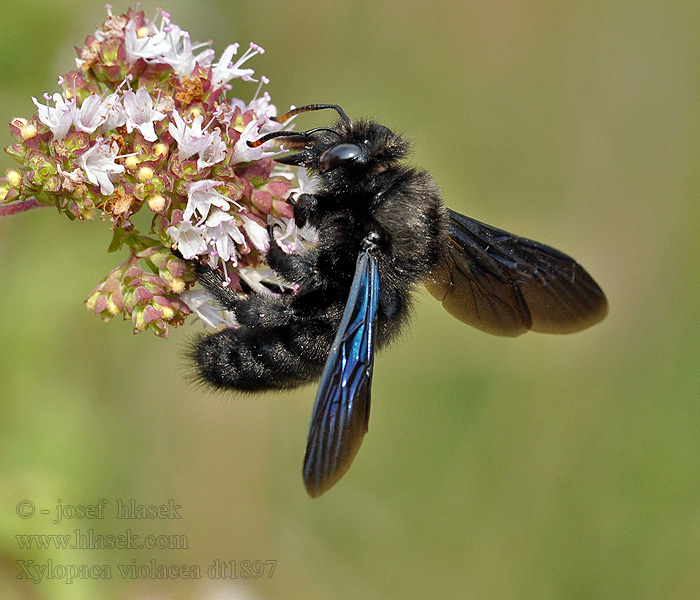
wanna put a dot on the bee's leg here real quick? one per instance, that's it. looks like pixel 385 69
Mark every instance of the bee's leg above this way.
pixel 254 309
pixel 294 267
pixel 303 204
pixel 213 282
pixel 265 311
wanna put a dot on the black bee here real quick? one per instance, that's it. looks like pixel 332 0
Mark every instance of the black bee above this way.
pixel 382 229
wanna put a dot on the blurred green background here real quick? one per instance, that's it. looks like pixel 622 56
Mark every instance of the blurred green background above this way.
pixel 540 467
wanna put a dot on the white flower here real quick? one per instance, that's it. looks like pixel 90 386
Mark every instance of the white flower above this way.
pixel 224 70
pixel 201 196
pixel 255 276
pixel 59 118
pixel 192 139
pixel 244 153
pixel 290 237
pixel 205 306
pixel 180 52
pixel 98 164
pixel 189 239
pixel 146 44
pixel 294 239
pixel 140 113
pixel 263 109
pixel 306 185
pixel 223 234
pixel 167 44
pixel 214 151
pixel 91 114
pixel 115 115
pixel 256 234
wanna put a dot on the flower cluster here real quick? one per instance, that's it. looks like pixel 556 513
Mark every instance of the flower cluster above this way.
pixel 143 137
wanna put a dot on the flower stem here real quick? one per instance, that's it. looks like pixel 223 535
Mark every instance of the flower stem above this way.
pixel 19 206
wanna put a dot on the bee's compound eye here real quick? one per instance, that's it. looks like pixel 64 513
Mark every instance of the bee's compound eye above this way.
pixel 338 155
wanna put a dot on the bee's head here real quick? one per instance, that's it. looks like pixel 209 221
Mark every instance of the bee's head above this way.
pixel 348 147
pixel 353 147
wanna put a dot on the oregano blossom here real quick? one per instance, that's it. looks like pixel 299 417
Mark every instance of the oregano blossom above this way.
pixel 144 125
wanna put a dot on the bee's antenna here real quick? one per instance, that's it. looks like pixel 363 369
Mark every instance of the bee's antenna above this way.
pixel 276 134
pixel 295 111
pixel 310 107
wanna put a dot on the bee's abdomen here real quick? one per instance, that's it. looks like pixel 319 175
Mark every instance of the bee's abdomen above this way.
pixel 252 359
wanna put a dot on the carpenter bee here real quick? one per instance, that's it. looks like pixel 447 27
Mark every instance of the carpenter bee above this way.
pixel 382 229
